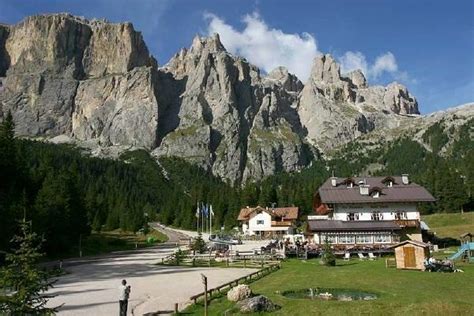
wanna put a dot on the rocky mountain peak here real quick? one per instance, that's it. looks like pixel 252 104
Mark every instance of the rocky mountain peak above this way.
pixel 358 79
pixel 286 80
pixel 96 83
pixel 212 44
pixel 325 69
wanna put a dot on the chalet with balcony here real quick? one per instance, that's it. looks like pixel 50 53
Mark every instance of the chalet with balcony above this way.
pixel 268 222
pixel 358 212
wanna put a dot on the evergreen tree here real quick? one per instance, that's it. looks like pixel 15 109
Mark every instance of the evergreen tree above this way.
pixel 22 277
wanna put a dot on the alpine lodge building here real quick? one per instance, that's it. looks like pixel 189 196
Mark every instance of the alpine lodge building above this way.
pixel 367 212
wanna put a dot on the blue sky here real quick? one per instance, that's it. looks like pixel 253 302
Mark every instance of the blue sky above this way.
pixel 427 45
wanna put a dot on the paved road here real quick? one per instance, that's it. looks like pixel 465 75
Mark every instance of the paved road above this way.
pixel 91 287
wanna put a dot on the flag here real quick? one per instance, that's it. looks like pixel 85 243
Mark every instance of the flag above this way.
pixel 211 211
pixel 198 211
pixel 206 210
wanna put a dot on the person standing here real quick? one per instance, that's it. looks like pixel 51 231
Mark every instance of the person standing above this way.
pixel 124 293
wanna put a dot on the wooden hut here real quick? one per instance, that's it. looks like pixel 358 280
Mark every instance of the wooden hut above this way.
pixel 411 254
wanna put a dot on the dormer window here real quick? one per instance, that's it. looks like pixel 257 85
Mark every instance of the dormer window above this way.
pixel 375 192
pixel 349 182
pixel 388 182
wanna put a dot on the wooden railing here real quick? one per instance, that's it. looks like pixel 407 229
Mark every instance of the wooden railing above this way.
pixel 281 223
pixel 227 286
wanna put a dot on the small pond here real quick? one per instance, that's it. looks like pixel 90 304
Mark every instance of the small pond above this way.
pixel 327 294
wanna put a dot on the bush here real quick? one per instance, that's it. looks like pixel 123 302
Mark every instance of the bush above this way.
pixel 328 258
pixel 198 245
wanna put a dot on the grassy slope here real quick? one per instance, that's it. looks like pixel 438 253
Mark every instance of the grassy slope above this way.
pixel 450 225
pixel 117 240
pixel 400 292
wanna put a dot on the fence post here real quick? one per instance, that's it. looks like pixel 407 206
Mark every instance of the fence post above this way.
pixel 176 311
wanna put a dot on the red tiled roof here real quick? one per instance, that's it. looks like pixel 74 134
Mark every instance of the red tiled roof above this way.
pixel 289 213
pixel 398 192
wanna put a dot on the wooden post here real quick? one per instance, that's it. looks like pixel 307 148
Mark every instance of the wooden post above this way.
pixel 204 281
pixel 176 311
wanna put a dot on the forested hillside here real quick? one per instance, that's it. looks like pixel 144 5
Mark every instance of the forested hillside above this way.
pixel 66 193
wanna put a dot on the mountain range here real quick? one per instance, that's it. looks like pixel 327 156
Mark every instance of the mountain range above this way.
pixel 95 84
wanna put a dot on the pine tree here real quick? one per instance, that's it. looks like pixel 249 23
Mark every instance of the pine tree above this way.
pixel 26 282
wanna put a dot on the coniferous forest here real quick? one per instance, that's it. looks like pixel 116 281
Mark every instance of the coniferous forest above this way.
pixel 67 194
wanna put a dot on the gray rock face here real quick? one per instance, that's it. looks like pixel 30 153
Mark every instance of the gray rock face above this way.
pixel 358 79
pixel 4 58
pixel 95 83
pixel 335 110
pixel 257 304
pixel 117 109
pixel 228 119
pixel 48 61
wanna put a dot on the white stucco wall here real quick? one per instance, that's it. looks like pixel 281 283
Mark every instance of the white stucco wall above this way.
pixel 365 211
pixel 265 217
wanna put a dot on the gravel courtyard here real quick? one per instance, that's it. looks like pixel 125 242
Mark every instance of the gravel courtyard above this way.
pixel 91 285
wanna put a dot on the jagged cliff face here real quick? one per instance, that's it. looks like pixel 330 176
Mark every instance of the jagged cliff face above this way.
pixel 88 80
pixel 228 118
pixel 96 83
pixel 336 109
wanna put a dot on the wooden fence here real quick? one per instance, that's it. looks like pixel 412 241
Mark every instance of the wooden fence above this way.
pixel 241 261
pixel 227 286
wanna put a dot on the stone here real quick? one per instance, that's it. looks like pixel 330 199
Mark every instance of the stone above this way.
pixel 358 79
pixel 257 304
pixel 239 293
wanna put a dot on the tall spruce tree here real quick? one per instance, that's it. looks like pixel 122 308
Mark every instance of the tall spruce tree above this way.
pixel 24 282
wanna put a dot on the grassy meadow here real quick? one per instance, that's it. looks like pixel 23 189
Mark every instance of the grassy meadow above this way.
pixel 450 224
pixel 400 292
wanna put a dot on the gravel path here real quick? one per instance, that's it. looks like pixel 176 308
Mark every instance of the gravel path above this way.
pixel 91 287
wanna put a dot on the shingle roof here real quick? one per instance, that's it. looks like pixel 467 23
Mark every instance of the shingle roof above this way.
pixel 289 213
pixel 399 192
pixel 336 225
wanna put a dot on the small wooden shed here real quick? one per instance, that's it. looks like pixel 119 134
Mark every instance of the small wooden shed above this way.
pixel 411 254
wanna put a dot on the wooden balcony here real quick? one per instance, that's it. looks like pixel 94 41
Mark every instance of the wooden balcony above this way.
pixel 281 223
pixel 408 223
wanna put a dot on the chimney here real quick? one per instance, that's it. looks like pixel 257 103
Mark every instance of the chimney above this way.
pixel 333 181
pixel 364 189
pixel 405 179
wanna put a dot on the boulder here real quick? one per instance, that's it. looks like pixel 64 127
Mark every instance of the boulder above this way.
pixel 239 293
pixel 257 304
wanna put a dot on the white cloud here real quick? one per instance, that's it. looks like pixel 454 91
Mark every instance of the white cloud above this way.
pixel 352 61
pixel 385 63
pixel 267 47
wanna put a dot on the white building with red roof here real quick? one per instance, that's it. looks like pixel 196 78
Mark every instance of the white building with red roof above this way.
pixel 268 222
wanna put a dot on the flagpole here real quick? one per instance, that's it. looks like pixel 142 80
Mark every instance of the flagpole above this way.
pixel 198 214
pixel 202 226
pixel 210 221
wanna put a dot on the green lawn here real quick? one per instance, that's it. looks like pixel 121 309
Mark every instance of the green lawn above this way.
pixel 450 224
pixel 400 292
